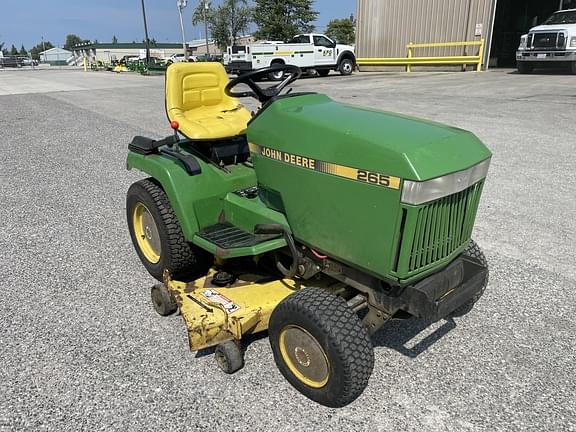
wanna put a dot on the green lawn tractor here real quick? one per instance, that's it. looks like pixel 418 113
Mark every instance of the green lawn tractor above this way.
pixel 313 219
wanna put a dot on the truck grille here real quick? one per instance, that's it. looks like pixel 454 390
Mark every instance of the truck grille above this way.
pixel 547 41
pixel 435 231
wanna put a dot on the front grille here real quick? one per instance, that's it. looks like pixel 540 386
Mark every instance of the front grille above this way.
pixel 433 232
pixel 547 41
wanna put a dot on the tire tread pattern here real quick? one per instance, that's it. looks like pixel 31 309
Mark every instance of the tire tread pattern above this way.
pixel 345 332
pixel 475 252
pixel 180 258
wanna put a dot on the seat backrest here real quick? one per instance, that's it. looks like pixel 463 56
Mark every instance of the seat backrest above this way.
pixel 193 85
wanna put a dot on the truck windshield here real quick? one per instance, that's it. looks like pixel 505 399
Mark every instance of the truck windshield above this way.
pixel 562 18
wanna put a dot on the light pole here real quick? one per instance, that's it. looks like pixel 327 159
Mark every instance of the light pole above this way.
pixel 181 5
pixel 205 11
pixel 147 41
pixel 43 49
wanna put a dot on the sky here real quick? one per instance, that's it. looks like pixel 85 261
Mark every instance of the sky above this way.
pixel 27 21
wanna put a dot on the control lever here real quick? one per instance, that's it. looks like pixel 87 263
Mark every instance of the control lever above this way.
pixel 279 229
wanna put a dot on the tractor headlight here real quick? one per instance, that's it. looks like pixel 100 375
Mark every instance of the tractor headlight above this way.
pixel 573 42
pixel 416 193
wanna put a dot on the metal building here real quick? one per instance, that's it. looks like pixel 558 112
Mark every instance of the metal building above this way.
pixel 385 27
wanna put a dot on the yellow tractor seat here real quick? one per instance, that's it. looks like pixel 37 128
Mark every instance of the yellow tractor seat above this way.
pixel 195 99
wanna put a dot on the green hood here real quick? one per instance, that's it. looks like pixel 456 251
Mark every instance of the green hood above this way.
pixel 317 127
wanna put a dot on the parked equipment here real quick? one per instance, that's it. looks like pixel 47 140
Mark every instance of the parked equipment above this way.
pixel 313 219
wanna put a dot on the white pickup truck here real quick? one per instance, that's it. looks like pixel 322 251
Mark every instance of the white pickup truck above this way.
pixel 307 51
pixel 551 44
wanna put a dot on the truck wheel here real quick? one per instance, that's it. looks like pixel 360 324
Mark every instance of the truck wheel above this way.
pixel 229 357
pixel 474 252
pixel 321 347
pixel 163 301
pixel 573 68
pixel 346 66
pixel 278 75
pixel 323 72
pixel 524 67
pixel 157 235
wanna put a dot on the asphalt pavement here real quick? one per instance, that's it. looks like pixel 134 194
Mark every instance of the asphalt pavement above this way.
pixel 82 349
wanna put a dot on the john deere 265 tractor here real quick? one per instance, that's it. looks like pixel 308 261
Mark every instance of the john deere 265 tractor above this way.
pixel 313 219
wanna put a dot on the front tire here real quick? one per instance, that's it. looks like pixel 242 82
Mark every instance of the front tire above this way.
pixel 321 347
pixel 346 66
pixel 157 235
pixel 473 252
pixel 524 68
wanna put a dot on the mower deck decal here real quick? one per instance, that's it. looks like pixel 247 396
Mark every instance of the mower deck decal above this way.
pixel 217 298
pixel 364 176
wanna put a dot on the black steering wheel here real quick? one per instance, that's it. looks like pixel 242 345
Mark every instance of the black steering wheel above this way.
pixel 263 94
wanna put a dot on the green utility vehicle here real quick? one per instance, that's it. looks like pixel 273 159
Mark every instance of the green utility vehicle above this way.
pixel 313 219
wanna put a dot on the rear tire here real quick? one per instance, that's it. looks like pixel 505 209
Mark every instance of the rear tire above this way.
pixel 524 68
pixel 346 66
pixel 321 347
pixel 276 76
pixel 473 252
pixel 157 235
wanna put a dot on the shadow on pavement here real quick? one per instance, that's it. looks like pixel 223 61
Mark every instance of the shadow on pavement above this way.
pixel 407 336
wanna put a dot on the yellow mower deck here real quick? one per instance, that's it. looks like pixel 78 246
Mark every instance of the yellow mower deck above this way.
pixel 216 314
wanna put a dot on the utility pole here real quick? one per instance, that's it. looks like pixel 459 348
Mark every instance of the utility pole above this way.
pixel 181 5
pixel 147 40
pixel 43 49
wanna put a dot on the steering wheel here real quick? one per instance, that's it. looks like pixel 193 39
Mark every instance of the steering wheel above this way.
pixel 263 94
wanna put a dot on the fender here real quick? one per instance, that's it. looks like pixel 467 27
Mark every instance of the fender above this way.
pixel 346 54
pixel 197 200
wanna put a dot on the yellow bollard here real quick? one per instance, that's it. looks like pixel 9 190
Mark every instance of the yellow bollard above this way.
pixel 480 55
pixel 409 65
pixel 85 64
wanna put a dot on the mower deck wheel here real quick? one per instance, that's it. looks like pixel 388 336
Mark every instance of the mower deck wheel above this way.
pixel 163 301
pixel 321 347
pixel 229 357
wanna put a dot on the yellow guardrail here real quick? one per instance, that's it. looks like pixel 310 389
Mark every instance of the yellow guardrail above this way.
pixel 411 60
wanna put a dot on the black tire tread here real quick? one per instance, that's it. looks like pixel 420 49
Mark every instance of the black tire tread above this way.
pixel 181 258
pixel 475 252
pixel 342 326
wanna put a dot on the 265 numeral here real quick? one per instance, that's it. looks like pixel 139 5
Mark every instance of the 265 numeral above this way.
pixel 373 178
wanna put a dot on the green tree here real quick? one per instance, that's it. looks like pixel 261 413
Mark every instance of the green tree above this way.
pixel 282 19
pixel 72 40
pixel 114 40
pixel 23 51
pixel 226 22
pixel 342 30
pixel 13 50
pixel 36 50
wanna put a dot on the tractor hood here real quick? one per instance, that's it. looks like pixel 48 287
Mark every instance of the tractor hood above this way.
pixel 316 127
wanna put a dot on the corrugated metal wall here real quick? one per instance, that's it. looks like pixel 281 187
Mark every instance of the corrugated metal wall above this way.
pixel 384 27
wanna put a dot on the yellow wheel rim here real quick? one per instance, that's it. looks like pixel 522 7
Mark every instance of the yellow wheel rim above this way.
pixel 146 233
pixel 304 356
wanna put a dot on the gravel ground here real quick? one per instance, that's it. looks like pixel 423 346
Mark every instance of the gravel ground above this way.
pixel 82 349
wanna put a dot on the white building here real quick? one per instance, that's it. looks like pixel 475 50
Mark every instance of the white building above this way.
pixel 56 56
